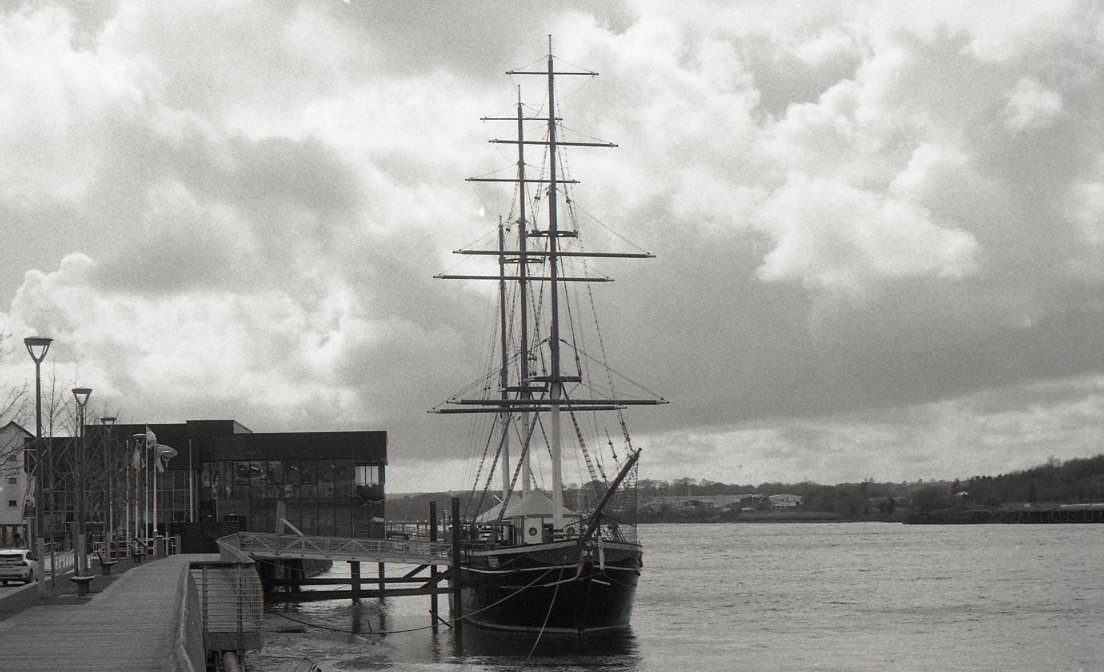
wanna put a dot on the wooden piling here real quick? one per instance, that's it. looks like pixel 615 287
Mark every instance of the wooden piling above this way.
pixel 457 606
pixel 433 611
pixel 354 573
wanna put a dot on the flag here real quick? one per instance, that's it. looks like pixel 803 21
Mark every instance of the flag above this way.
pixel 163 452
pixel 136 457
pixel 151 438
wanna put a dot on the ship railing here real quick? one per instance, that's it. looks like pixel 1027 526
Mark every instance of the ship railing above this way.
pixel 269 545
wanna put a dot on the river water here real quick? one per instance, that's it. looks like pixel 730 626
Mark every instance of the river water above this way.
pixel 763 597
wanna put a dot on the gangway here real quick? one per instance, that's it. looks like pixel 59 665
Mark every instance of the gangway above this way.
pixel 260 545
pixel 280 552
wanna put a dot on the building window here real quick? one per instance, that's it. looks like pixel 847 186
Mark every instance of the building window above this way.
pixel 367 474
pixel 343 478
pixel 12 480
pixel 368 486
pixel 13 503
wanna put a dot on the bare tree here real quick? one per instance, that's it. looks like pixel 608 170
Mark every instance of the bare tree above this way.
pixel 14 399
pixel 14 403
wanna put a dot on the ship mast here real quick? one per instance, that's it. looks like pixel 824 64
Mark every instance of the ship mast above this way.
pixel 523 300
pixel 553 397
pixel 504 377
pixel 555 380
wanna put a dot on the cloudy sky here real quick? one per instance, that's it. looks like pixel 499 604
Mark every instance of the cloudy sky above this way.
pixel 879 226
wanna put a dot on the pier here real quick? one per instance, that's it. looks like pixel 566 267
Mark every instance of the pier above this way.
pixel 282 559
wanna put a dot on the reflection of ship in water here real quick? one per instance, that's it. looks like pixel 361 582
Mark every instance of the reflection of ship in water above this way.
pixel 392 634
pixel 619 647
pixel 567 561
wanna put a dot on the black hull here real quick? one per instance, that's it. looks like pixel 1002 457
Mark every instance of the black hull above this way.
pixel 551 588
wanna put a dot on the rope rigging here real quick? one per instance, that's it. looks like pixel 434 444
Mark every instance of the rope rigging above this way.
pixel 574 261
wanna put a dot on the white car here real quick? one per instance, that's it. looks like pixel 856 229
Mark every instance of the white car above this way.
pixel 16 565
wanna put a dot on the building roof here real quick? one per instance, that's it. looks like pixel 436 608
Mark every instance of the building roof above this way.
pixel 199 441
pixel 13 425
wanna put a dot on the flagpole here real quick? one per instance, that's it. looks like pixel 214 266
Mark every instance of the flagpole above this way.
pixel 145 491
pixel 129 500
pixel 139 493
pixel 156 470
pixel 191 485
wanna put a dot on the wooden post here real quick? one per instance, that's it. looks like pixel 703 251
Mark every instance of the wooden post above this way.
pixel 354 572
pixel 457 606
pixel 433 568
pixel 382 581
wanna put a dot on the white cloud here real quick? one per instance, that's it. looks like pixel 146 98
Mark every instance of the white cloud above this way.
pixel 1031 106
pixel 832 43
pixel 58 106
pixel 830 235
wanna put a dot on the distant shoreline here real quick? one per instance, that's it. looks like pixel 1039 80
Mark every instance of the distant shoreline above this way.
pixel 771 517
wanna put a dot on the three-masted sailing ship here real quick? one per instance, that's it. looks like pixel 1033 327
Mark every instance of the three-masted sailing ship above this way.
pixel 542 554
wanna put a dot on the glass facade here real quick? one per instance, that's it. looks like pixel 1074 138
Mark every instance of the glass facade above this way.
pixel 327 483
pixel 324 497
pixel 173 496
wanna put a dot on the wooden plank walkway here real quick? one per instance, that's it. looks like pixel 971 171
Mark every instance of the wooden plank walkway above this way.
pixel 134 624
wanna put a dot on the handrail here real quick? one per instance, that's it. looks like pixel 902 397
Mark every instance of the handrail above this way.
pixel 338 548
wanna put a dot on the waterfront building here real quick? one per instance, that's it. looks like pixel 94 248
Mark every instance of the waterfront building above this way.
pixel 146 479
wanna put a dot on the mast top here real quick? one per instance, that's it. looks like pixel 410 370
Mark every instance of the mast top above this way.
pixel 550 72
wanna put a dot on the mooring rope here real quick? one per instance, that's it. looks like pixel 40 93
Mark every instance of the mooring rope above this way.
pixel 424 627
pixel 548 615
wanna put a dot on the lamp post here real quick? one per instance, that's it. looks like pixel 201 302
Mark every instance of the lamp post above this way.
pixel 81 394
pixel 109 490
pixel 37 347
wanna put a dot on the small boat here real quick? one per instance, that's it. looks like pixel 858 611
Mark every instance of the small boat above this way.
pixel 544 551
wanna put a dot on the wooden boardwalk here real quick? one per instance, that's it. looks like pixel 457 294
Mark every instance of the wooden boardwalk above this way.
pixel 134 624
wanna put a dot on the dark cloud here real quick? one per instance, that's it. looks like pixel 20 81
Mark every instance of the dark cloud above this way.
pixel 875 235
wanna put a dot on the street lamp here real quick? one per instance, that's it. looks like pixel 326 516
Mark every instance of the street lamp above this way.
pixel 37 347
pixel 81 394
pixel 109 489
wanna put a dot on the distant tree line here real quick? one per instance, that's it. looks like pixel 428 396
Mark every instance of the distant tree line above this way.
pixel 1073 481
pixel 845 501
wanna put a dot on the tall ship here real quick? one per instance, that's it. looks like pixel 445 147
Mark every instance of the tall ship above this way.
pixel 549 541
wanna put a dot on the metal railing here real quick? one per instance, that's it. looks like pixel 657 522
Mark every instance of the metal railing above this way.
pixel 231 603
pixel 59 560
pixel 341 548
pixel 148 546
